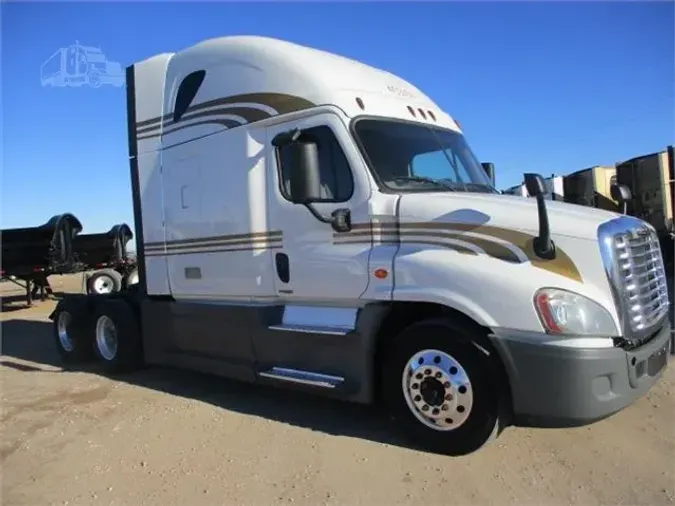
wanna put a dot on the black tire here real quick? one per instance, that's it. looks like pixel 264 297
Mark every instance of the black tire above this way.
pixel 485 419
pixel 108 278
pixel 127 352
pixel 71 331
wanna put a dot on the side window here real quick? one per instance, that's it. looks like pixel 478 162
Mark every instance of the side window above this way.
pixel 337 184
pixel 186 93
pixel 434 164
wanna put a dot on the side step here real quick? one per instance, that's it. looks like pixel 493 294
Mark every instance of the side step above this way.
pixel 303 377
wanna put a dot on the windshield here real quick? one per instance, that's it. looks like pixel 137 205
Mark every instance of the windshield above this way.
pixel 417 157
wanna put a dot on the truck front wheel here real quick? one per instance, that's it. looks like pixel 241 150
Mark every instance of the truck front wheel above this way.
pixel 442 388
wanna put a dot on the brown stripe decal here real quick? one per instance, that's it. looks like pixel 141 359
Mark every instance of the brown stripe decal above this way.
pixel 279 102
pixel 248 113
pixel 227 123
pixel 390 233
pixel 224 243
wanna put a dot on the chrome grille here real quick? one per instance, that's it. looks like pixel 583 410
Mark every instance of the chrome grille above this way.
pixel 634 263
pixel 643 276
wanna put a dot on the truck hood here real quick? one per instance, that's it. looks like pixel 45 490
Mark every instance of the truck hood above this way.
pixel 502 211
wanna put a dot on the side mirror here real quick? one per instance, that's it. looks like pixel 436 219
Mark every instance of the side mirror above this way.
pixel 542 244
pixel 305 177
pixel 622 194
pixel 535 185
pixel 489 169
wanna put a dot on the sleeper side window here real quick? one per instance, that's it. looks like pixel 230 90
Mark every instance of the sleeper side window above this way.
pixel 187 91
pixel 337 184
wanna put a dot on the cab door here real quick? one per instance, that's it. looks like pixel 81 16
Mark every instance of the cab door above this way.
pixel 315 264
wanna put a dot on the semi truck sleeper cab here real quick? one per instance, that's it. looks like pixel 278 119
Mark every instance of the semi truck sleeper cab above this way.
pixel 305 220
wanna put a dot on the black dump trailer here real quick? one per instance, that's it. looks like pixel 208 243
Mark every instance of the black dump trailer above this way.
pixel 651 179
pixel 31 254
pixel 106 254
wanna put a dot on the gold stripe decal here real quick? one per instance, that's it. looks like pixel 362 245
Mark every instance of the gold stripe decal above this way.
pixel 229 112
pixel 500 243
pixel 224 243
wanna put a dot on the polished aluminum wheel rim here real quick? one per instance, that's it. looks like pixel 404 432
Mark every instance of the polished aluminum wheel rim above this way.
pixel 62 324
pixel 437 390
pixel 106 337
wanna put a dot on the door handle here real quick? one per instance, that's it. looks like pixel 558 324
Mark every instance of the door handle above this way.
pixel 182 197
pixel 283 267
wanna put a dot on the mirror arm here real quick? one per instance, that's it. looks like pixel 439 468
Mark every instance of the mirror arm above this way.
pixel 543 246
pixel 316 213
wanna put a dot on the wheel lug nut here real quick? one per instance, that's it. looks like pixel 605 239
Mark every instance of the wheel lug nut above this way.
pixel 435 411
pixel 427 372
pixel 425 408
pixel 447 384
pixel 415 386
pixel 448 397
pixel 418 398
pixel 438 374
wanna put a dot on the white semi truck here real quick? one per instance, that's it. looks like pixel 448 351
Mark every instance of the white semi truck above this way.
pixel 305 220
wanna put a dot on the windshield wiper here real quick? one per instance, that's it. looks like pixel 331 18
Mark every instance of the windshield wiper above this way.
pixel 421 179
pixel 469 187
pixel 481 187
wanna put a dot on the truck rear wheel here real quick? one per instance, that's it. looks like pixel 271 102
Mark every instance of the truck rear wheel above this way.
pixel 442 388
pixel 104 281
pixel 72 340
pixel 117 337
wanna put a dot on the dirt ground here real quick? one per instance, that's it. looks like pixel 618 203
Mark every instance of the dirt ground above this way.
pixel 167 437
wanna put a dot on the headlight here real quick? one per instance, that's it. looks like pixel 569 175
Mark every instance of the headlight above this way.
pixel 562 312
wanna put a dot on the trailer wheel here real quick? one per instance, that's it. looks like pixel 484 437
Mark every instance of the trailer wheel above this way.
pixel 71 335
pixel 117 336
pixel 104 281
pixel 443 389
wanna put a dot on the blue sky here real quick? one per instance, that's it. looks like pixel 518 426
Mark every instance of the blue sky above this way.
pixel 545 87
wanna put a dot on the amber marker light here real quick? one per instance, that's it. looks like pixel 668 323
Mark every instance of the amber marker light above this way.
pixel 381 273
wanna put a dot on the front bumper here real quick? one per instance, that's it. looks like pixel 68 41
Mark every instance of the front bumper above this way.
pixel 558 386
